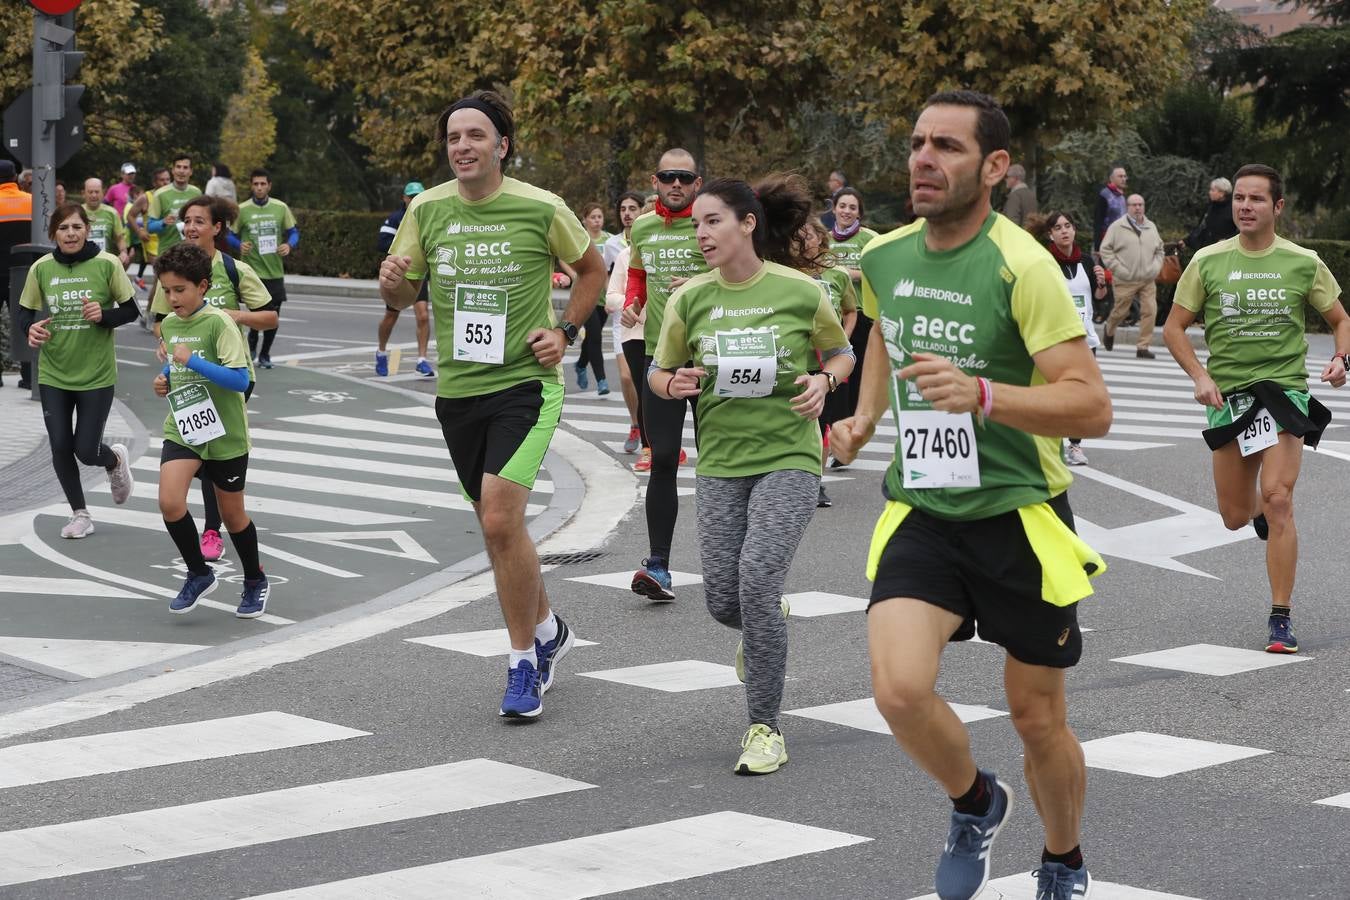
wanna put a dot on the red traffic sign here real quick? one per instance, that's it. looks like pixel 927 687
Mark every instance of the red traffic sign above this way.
pixel 54 7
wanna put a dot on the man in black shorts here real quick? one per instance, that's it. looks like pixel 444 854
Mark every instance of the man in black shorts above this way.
pixel 981 353
pixel 420 309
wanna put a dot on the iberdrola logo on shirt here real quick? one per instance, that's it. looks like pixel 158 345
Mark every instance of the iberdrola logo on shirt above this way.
pixel 905 288
pixel 717 313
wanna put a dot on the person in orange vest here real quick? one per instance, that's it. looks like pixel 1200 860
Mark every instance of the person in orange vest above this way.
pixel 16 217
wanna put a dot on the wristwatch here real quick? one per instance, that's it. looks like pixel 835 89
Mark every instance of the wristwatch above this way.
pixel 834 382
pixel 569 331
pixel 1344 358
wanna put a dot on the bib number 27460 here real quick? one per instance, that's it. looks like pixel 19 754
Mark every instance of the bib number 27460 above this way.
pixel 938 450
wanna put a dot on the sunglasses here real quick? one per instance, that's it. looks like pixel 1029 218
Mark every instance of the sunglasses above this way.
pixel 670 176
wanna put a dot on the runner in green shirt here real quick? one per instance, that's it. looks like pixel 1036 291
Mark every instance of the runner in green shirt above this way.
pixel 266 234
pixel 592 351
pixel 664 255
pixel 983 359
pixel 166 202
pixel 106 228
pixel 486 243
pixel 753 327
pixel 86 295
pixel 848 239
pixel 206 429
pixel 824 266
pixel 1254 290
pixel 236 291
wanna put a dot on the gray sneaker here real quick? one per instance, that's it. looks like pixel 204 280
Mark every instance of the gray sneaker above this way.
pixel 963 869
pixel 1055 881
pixel 1074 455
pixel 120 478
pixel 80 525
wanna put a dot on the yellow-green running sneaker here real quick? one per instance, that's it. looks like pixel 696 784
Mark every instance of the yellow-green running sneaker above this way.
pixel 740 645
pixel 762 751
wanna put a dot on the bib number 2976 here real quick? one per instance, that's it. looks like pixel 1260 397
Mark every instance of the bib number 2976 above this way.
pixel 938 450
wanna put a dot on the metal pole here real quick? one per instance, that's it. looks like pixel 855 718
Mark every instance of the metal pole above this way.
pixel 43 138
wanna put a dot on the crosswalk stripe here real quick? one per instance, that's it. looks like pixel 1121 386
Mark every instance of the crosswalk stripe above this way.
pixel 1156 432
pixel 383 467
pixel 144 748
pixel 72 660
pixel 1197 418
pixel 342 442
pixel 598 864
pixel 93 845
pixel 615 427
pixel 256 504
pixel 370 426
pixel 77 587
pixel 1023 887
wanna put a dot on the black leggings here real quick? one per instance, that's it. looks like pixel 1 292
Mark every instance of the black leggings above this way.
pixel 664 421
pixel 592 350
pixel 83 440
pixel 635 354
pixel 210 508
pixel 862 331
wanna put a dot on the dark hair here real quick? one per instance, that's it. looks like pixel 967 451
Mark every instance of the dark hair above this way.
pixel 992 131
pixel 1111 171
pixel 824 257
pixel 260 173
pixel 842 176
pixel 1040 224
pixel 186 260
pixel 781 204
pixel 847 191
pixel 221 211
pixel 587 207
pixel 222 170
pixel 63 212
pixel 1266 172
pixel 155 174
pixel 504 121
pixel 637 198
pixel 182 156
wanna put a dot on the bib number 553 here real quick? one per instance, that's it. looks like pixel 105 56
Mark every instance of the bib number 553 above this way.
pixel 478 333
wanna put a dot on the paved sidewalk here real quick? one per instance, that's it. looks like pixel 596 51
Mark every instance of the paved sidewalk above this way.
pixel 23 431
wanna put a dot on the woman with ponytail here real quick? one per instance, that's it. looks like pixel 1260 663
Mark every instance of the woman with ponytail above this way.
pixel 753 326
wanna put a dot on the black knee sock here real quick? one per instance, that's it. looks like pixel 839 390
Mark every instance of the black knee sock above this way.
pixel 246 545
pixel 184 534
pixel 252 342
pixel 977 800
pixel 210 508
pixel 269 336
pixel 1073 859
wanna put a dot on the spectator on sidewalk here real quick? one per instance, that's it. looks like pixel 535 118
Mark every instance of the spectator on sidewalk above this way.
pixel 1217 223
pixel 836 181
pixel 16 217
pixel 221 183
pixel 1133 252
pixel 1110 204
pixel 1021 200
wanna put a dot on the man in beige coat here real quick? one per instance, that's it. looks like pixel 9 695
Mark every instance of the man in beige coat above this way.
pixel 1133 250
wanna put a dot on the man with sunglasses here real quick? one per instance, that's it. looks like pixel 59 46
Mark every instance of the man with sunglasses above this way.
pixel 665 255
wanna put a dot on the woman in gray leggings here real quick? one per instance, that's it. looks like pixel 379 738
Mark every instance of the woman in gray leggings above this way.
pixel 753 326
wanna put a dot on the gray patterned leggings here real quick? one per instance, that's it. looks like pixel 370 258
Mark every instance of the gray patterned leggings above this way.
pixel 749 529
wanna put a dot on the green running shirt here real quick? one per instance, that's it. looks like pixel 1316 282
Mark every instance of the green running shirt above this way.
pixel 850 249
pixel 221 294
pixel 1254 307
pixel 663 253
pixel 843 296
pixel 490 265
pixel 80 354
pixel 780 314
pixel 105 227
pixel 212 335
pixel 164 201
pixel 264 227
pixel 989 306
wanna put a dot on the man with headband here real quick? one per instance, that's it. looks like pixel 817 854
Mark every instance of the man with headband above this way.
pixel 485 243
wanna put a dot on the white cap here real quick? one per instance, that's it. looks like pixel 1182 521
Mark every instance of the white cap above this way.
pixel 128 169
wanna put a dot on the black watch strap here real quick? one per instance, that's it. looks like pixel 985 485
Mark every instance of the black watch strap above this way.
pixel 569 331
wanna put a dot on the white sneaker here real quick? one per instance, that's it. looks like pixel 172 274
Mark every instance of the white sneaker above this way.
pixel 1074 456
pixel 80 525
pixel 120 478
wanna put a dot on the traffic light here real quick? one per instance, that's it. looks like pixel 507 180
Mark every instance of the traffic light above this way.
pixel 57 63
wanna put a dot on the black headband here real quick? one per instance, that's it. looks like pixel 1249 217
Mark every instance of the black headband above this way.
pixel 494 116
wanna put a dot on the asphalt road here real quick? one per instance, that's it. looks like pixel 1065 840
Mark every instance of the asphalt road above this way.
pixel 1201 785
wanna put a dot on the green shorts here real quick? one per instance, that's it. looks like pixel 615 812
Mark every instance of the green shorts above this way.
pixel 505 433
pixel 1238 402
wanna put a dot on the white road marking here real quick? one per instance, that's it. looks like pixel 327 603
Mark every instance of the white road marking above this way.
pixel 1160 755
pixel 864 715
pixel 91 659
pixel 493 642
pixel 355 540
pixel 1211 659
pixel 671 677
pixel 73 587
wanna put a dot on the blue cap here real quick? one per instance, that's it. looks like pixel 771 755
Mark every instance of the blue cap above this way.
pixel 413 188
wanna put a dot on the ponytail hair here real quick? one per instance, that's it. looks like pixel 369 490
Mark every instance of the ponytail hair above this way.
pixel 781 204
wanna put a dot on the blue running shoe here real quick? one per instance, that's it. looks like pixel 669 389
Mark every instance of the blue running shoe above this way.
pixel 1056 881
pixel 583 381
pixel 523 698
pixel 381 363
pixel 195 588
pixel 601 386
pixel 253 600
pixel 1282 638
pixel 963 869
pixel 424 369
pixel 551 654
pixel 653 581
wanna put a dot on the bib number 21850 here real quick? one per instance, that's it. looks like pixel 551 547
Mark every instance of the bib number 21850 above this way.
pixel 938 450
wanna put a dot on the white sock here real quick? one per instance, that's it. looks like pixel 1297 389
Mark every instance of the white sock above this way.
pixel 518 655
pixel 381 352
pixel 421 359
pixel 546 630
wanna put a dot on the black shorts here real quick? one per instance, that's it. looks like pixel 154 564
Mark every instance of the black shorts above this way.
pixel 276 289
pixel 985 572
pixel 423 295
pixel 227 474
pixel 505 433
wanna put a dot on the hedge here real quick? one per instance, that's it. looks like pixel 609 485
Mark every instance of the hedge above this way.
pixel 336 244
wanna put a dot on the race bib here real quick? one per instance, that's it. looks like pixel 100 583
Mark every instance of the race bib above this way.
pixel 480 324
pixel 99 241
pixel 1262 433
pixel 267 243
pixel 194 412
pixel 1080 303
pixel 937 450
pixel 747 363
